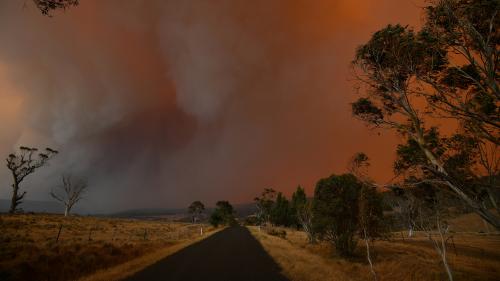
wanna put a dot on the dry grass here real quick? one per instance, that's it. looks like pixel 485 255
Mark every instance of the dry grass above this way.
pixel 29 250
pixel 475 256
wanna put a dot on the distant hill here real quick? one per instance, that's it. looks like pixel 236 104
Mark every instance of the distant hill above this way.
pixel 150 213
pixel 33 206
pixel 242 210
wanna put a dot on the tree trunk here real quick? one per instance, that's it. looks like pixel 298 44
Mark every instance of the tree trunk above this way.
pixel 66 211
pixel 15 197
pixel 443 252
pixel 447 267
pixel 478 209
pixel 368 257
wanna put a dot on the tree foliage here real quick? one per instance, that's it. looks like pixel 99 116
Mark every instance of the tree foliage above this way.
pixel 335 211
pixel 265 205
pixel 412 77
pixel 280 213
pixel 48 6
pixel 302 210
pixel 299 198
pixel 223 214
pixel 195 210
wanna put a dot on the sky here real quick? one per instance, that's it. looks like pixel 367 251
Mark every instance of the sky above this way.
pixel 160 103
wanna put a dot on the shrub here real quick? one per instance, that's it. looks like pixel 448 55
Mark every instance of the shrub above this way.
pixel 336 211
pixel 277 232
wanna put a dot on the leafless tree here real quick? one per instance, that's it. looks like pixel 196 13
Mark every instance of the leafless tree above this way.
pixel 305 218
pixel 22 164
pixel 70 192
pixel 431 220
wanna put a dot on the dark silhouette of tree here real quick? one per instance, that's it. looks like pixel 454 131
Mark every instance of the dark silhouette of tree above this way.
pixel 298 199
pixel 265 205
pixel 280 213
pixel 303 212
pixel 70 192
pixel 47 6
pixel 358 165
pixel 401 69
pixel 336 213
pixel 195 210
pixel 467 87
pixel 22 164
pixel 223 214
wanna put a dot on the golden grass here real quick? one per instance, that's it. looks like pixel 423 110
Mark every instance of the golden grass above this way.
pixel 29 250
pixel 477 257
pixel 128 268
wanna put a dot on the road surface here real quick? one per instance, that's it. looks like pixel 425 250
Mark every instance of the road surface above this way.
pixel 232 254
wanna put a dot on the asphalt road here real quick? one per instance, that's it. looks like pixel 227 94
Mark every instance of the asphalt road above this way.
pixel 232 254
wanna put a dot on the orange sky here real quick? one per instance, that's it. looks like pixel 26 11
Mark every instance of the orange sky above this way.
pixel 160 103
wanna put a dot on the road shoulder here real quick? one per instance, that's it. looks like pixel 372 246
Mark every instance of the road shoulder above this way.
pixel 133 266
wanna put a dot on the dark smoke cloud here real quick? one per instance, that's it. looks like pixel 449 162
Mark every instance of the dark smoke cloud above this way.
pixel 160 103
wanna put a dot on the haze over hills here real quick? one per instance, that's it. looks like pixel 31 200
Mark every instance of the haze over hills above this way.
pixel 33 206
pixel 36 206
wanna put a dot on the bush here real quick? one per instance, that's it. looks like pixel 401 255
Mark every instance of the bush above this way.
pixel 336 211
pixel 277 232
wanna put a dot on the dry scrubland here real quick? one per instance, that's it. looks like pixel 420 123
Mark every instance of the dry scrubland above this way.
pixel 476 256
pixel 90 248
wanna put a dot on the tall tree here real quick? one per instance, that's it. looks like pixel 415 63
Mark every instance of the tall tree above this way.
pixel 22 164
pixel 265 205
pixel 70 192
pixel 302 210
pixel 299 198
pixel 280 213
pixel 393 65
pixel 195 210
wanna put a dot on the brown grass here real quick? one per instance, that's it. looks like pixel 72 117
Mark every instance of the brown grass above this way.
pixel 475 256
pixel 29 250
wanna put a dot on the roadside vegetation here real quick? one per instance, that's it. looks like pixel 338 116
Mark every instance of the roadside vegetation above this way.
pixel 54 247
pixel 438 89
pixel 473 256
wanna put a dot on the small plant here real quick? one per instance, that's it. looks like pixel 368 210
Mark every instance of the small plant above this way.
pixel 277 232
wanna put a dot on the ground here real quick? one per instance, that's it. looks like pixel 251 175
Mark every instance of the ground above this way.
pixel 101 249
pixel 473 256
pixel 88 247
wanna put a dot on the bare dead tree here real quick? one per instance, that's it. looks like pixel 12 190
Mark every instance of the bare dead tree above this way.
pixel 22 164
pixel 70 192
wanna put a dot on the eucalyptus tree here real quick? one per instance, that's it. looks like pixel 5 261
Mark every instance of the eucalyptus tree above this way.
pixel 22 164
pixel 409 78
pixel 195 210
